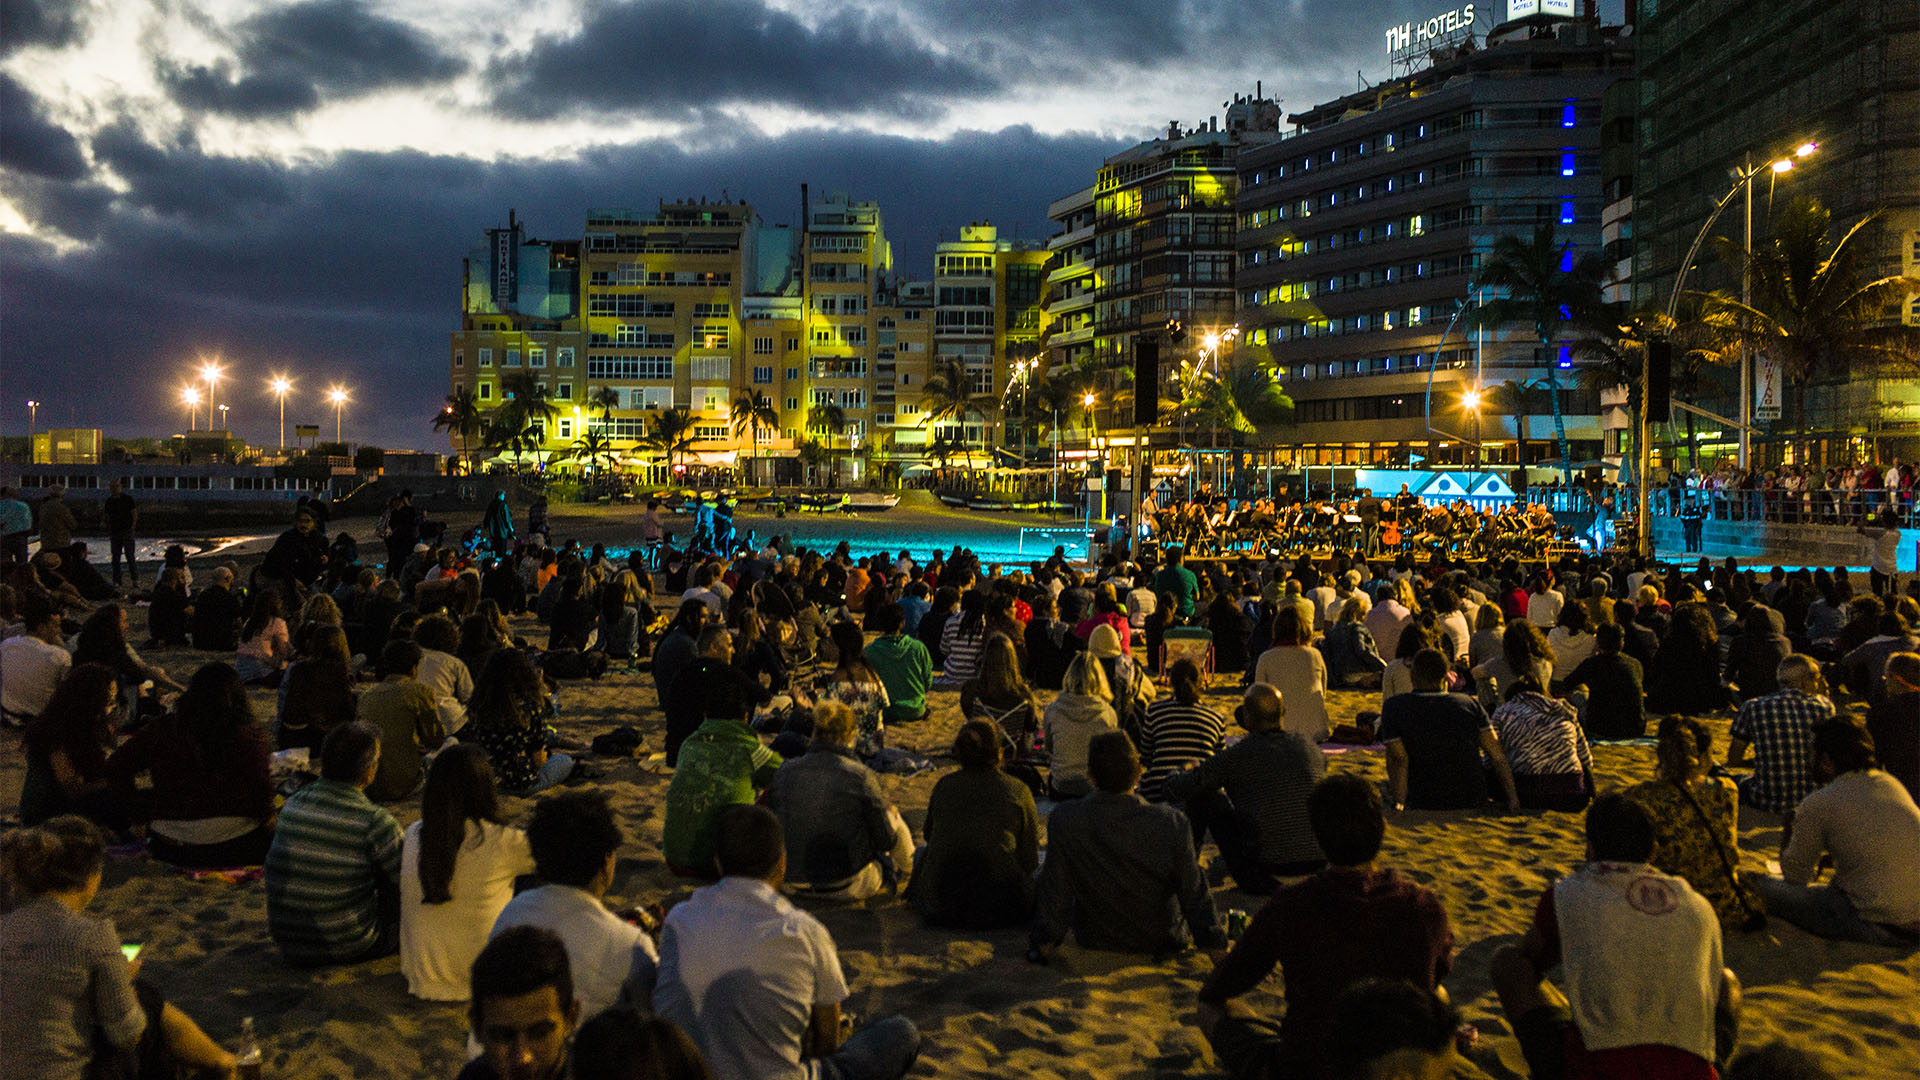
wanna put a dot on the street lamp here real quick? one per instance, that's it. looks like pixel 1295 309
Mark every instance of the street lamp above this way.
pixel 1470 401
pixel 211 372
pixel 280 384
pixel 338 396
pixel 191 396
pixel 1643 463
pixel 1093 434
pixel 223 419
pixel 33 421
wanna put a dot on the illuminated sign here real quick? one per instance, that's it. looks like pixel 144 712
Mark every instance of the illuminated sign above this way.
pixel 1442 29
pixel 1520 9
pixel 506 268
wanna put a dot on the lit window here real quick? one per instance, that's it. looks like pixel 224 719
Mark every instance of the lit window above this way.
pixel 486 391
pixel 1566 115
pixel 1566 163
pixel 1566 210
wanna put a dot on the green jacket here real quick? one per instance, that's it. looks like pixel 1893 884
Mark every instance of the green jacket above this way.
pixel 720 765
pixel 907 670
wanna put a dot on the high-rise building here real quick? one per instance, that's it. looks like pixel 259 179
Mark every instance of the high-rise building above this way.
pixel 1361 233
pixel 1726 84
pixel 986 317
pixel 903 325
pixel 519 313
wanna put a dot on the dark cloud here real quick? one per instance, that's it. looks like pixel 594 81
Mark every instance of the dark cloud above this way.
pixel 290 58
pixel 666 57
pixel 350 269
pixel 79 211
pixel 30 143
pixel 51 23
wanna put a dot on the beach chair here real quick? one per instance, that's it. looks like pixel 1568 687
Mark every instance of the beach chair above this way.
pixel 1193 643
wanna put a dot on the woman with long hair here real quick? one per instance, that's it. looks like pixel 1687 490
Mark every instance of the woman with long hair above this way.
pixel 999 694
pixel 212 798
pixel 103 640
pixel 318 611
pixel 265 645
pixel 1490 625
pixel 855 684
pixel 1352 658
pixel 508 715
pixel 931 631
pixel 1397 679
pixel 317 694
pixel 620 617
pixel 1696 818
pixel 1685 674
pixel 1083 709
pixel 67 747
pixel 1298 670
pixel 1524 654
pixel 74 1001
pixel 982 841
pixel 1552 764
pixel 479 637
pixel 1571 642
pixel 962 640
pixel 457 866
pixel 1177 731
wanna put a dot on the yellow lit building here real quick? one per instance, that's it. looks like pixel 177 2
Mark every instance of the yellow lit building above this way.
pixel 988 316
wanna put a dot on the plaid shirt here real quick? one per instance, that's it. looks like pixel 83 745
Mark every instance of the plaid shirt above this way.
pixel 1780 727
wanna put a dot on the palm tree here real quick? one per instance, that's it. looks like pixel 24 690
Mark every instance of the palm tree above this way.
pixel 529 404
pixel 672 435
pixel 1810 309
pixel 946 398
pixel 462 417
pixel 591 446
pixel 945 447
pixel 606 399
pixel 1522 399
pixel 751 412
pixel 813 455
pixel 1547 287
pixel 833 420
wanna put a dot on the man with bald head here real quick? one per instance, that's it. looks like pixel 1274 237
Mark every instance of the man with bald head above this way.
pixel 1253 796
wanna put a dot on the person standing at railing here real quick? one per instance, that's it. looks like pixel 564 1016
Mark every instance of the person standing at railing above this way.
pixel 1883 553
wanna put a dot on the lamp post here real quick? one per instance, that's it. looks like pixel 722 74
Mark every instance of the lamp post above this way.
pixel 280 385
pixel 338 396
pixel 1087 401
pixel 191 396
pixel 1470 402
pixel 33 421
pixel 1643 456
pixel 211 372
pixel 223 419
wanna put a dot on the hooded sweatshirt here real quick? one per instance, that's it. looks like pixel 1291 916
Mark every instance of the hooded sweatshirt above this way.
pixel 1071 722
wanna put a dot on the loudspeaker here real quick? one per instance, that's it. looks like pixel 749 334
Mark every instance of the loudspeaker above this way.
pixel 1517 480
pixel 1146 382
pixel 1659 380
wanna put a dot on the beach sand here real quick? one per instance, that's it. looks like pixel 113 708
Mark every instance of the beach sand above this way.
pixel 984 1010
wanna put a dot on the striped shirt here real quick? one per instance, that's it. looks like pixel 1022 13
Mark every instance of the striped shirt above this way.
pixel 1542 736
pixel 64 989
pixel 962 654
pixel 1173 736
pixel 333 876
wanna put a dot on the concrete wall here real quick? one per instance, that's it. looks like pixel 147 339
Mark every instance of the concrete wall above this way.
pixel 1765 543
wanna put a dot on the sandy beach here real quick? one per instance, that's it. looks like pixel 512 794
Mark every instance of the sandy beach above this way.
pixel 984 1010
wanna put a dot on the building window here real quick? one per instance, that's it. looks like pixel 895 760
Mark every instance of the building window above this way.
pixel 563 392
pixel 629 367
pixel 537 358
pixel 486 391
pixel 792 404
pixel 763 346
pixel 513 357
pixel 459 359
pixel 709 431
pixel 793 373
pixel 565 358
pixel 762 376
pixel 711 368
pixel 793 344
pixel 486 357
pixel 1566 163
pixel 566 427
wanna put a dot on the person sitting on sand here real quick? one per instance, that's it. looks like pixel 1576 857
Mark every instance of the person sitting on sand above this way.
pixel 902 663
pixel 524 1011
pixel 333 871
pixel 445 675
pixel 73 1004
pixel 1295 668
pixel 1779 728
pixel 1253 796
pixel 840 828
pixel 1616 703
pixel 576 843
pixel 32 663
pixel 757 982
pixel 624 1043
pixel 457 868
pixel 1308 930
pixel 1895 722
pixel 678 647
pixel 1546 751
pixel 982 836
pixel 510 716
pixel 1120 871
pixel 1083 710
pixel 721 763
pixel 1434 740
pixel 1178 731
pixel 1695 819
pixel 1647 993
pixel 711 677
pixel 407 718
pixel 1865 821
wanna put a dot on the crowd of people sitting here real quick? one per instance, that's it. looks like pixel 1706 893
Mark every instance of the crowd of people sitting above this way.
pixel 785 677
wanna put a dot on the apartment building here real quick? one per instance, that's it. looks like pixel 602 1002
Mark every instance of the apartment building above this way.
pixel 519 312
pixel 903 359
pixel 987 316
pixel 1360 235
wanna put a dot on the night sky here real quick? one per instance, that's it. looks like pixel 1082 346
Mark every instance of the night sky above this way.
pixel 291 187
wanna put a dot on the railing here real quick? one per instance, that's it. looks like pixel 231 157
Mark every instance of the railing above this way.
pixel 1826 506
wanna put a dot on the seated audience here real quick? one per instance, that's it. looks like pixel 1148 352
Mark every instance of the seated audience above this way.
pixel 1867 825
pixel 523 1011
pixel 1779 729
pixel 982 837
pixel 722 763
pixel 1647 994
pixel 1352 658
pixel 457 867
pixel 576 844
pixel 32 663
pixel 1894 722
pixel 1524 654
pixel 66 748
pixel 508 715
pixel 211 803
pixel 1695 818
pixel 1434 740
pixel 1120 872
pixel 1253 796
pixel 408 721
pixel 1294 667
pixel 317 694
pixel 266 646
pixel 71 1003
pixel 1083 710
pixel 1177 731
pixel 216 614
pixel 902 663
pixel 844 840
pixel 710 677
pixel 1308 929
pixel 757 982
pixel 444 675
pixel 678 647
pixel 1616 703
pixel 333 871
pixel 624 1043
pixel 1546 750
pixel 998 695
pixel 855 684
pixel 169 611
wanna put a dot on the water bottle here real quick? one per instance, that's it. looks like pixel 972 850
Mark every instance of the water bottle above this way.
pixel 248 1059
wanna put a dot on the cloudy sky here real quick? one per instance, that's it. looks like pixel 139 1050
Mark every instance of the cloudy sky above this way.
pixel 291 186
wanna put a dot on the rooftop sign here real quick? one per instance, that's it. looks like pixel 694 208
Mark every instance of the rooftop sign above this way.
pixel 1446 28
pixel 1520 9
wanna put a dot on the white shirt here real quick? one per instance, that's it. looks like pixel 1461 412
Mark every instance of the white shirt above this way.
pixel 741 970
pixel 1141 603
pixel 715 605
pixel 30 671
pixel 1301 677
pixel 1543 608
pixel 1870 824
pixel 452 684
pixel 439 942
pixel 608 954
pixel 1569 650
pixel 1883 550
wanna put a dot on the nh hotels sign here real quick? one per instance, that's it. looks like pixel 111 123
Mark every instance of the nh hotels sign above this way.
pixel 1450 27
